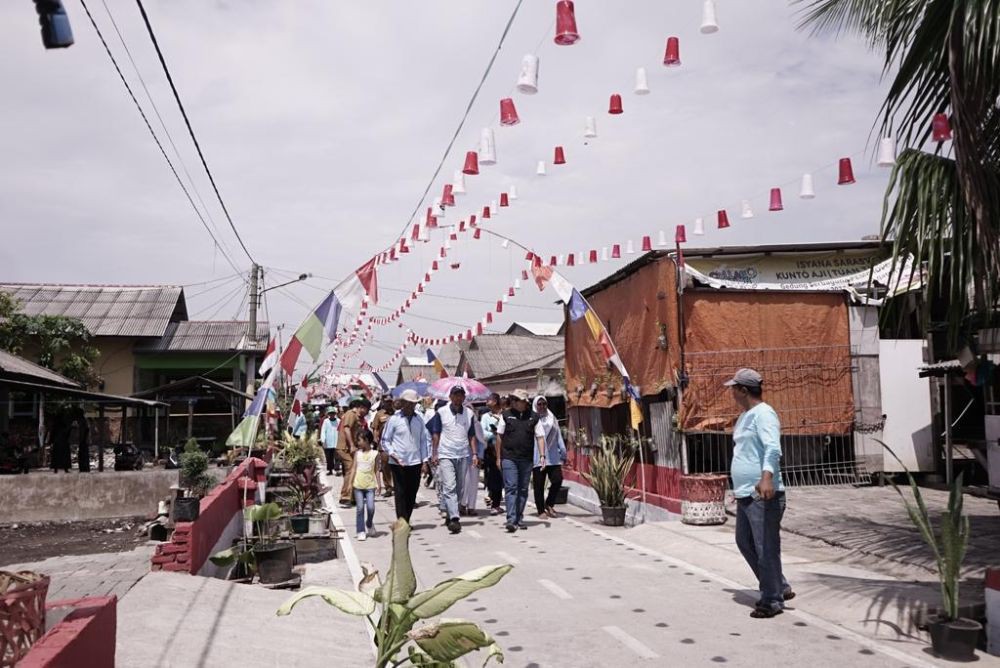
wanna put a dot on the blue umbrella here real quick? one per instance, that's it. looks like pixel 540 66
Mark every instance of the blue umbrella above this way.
pixel 419 386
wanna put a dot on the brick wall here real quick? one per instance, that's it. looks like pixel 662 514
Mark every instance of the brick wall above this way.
pixel 85 637
pixel 192 542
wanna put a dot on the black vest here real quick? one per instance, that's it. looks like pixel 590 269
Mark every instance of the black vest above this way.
pixel 519 435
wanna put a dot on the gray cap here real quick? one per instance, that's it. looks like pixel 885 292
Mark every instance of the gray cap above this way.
pixel 746 378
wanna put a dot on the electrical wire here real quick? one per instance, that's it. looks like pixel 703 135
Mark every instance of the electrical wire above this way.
pixel 461 123
pixel 213 280
pixel 225 299
pixel 163 126
pixel 156 139
pixel 187 122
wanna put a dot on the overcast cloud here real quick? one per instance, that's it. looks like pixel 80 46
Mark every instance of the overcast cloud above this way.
pixel 323 121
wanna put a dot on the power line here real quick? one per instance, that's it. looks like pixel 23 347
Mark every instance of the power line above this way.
pixel 225 299
pixel 465 116
pixel 163 126
pixel 149 127
pixel 187 122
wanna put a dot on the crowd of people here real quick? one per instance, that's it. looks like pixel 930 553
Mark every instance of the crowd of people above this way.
pixel 506 445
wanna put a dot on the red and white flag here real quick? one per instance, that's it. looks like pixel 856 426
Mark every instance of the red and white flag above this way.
pixel 270 358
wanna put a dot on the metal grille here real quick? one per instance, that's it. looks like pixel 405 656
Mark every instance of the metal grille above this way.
pixel 817 425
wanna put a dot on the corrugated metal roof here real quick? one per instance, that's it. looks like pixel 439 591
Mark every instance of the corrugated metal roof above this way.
pixel 106 310
pixel 12 365
pixel 536 328
pixel 494 354
pixel 414 367
pixel 208 336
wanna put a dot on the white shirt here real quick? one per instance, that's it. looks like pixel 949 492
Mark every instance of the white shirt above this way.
pixel 455 432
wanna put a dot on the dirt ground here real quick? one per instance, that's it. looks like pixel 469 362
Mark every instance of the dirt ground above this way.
pixel 34 541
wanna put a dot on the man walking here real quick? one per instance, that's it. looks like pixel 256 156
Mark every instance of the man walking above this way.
pixel 328 435
pixel 515 455
pixel 494 478
pixel 454 443
pixel 760 494
pixel 347 444
pixel 382 415
pixel 405 442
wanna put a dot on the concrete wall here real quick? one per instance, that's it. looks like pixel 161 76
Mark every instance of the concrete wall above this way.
pixel 42 496
pixel 116 363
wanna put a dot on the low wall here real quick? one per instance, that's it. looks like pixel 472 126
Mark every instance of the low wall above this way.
pixel 193 542
pixel 660 483
pixel 85 637
pixel 42 496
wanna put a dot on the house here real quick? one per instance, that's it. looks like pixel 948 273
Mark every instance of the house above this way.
pixel 521 328
pixel 506 362
pixel 414 367
pixel 146 342
pixel 800 314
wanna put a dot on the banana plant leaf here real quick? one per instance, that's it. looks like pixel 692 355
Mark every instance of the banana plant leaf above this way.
pixel 352 602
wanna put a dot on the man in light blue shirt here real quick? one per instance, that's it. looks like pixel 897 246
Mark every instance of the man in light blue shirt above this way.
pixel 759 491
pixel 328 434
pixel 405 441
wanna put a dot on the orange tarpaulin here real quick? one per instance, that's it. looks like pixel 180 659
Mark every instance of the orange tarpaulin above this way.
pixel 798 341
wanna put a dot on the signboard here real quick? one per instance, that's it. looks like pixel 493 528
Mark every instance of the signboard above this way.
pixel 784 269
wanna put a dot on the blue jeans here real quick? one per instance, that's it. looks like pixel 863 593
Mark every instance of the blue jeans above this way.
pixel 364 499
pixel 516 476
pixel 451 474
pixel 758 535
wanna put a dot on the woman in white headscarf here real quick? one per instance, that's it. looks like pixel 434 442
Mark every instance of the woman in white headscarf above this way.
pixel 550 451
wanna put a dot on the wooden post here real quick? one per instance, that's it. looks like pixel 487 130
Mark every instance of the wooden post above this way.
pixel 190 418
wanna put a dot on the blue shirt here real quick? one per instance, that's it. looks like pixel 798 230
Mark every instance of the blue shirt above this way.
pixel 757 448
pixel 406 439
pixel 300 425
pixel 328 434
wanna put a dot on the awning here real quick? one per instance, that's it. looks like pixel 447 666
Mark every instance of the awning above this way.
pixel 92 397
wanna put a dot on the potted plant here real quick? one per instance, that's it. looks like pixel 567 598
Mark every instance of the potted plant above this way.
pixel 195 481
pixel 270 559
pixel 952 637
pixel 610 464
pixel 305 495
pixel 400 606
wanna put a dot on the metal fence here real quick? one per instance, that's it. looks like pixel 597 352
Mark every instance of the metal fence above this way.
pixel 817 436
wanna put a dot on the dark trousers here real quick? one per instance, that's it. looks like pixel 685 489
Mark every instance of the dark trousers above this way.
pixel 555 476
pixel 516 478
pixel 331 459
pixel 406 480
pixel 758 535
pixel 494 478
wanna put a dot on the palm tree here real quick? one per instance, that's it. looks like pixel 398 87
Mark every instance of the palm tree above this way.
pixel 941 207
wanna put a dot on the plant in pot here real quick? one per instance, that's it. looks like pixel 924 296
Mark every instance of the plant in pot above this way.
pixel 952 637
pixel 399 606
pixel 610 464
pixel 305 496
pixel 260 553
pixel 195 481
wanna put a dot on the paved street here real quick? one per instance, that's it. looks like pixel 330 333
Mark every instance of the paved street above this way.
pixel 582 594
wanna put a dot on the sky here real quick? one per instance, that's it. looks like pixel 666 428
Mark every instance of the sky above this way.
pixel 323 123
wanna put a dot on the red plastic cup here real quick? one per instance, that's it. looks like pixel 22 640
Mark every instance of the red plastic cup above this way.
pixel 680 235
pixel 508 114
pixel 471 163
pixel 503 200
pixel 647 244
pixel 566 32
pixel 616 104
pixel 560 157
pixel 941 127
pixel 723 219
pixel 846 176
pixel 616 251
pixel 672 58
pixel 486 212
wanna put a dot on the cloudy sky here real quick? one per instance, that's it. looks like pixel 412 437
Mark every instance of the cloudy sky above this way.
pixel 324 121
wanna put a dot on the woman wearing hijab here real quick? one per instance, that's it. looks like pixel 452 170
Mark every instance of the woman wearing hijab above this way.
pixel 470 490
pixel 549 454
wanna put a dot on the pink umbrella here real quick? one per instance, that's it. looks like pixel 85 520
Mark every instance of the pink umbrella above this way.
pixel 474 390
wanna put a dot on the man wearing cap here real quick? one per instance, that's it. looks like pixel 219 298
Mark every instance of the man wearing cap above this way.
pixel 453 430
pixel 328 435
pixel 760 494
pixel 350 429
pixel 405 442
pixel 515 456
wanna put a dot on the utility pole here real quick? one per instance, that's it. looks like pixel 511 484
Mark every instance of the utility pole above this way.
pixel 252 330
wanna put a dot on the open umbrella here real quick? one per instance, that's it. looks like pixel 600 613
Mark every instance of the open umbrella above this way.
pixel 419 386
pixel 474 390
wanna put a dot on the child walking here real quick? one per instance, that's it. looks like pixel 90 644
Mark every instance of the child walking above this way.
pixel 364 475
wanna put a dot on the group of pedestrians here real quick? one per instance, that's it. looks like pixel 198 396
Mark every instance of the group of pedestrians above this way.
pixel 454 444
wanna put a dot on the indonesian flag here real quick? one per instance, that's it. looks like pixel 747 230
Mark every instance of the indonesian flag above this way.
pixel 301 396
pixel 270 358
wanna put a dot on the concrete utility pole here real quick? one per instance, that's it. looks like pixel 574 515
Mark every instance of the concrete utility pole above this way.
pixel 252 330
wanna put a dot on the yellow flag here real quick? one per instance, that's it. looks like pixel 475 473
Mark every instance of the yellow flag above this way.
pixel 636 413
pixel 594 323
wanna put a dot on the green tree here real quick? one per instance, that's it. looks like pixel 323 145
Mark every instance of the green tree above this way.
pixel 62 343
pixel 941 206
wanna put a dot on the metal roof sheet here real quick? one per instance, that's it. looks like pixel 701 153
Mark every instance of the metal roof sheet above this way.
pixel 18 366
pixel 494 354
pixel 106 310
pixel 537 328
pixel 208 336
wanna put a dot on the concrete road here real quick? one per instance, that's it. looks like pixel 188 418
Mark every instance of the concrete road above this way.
pixel 585 595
